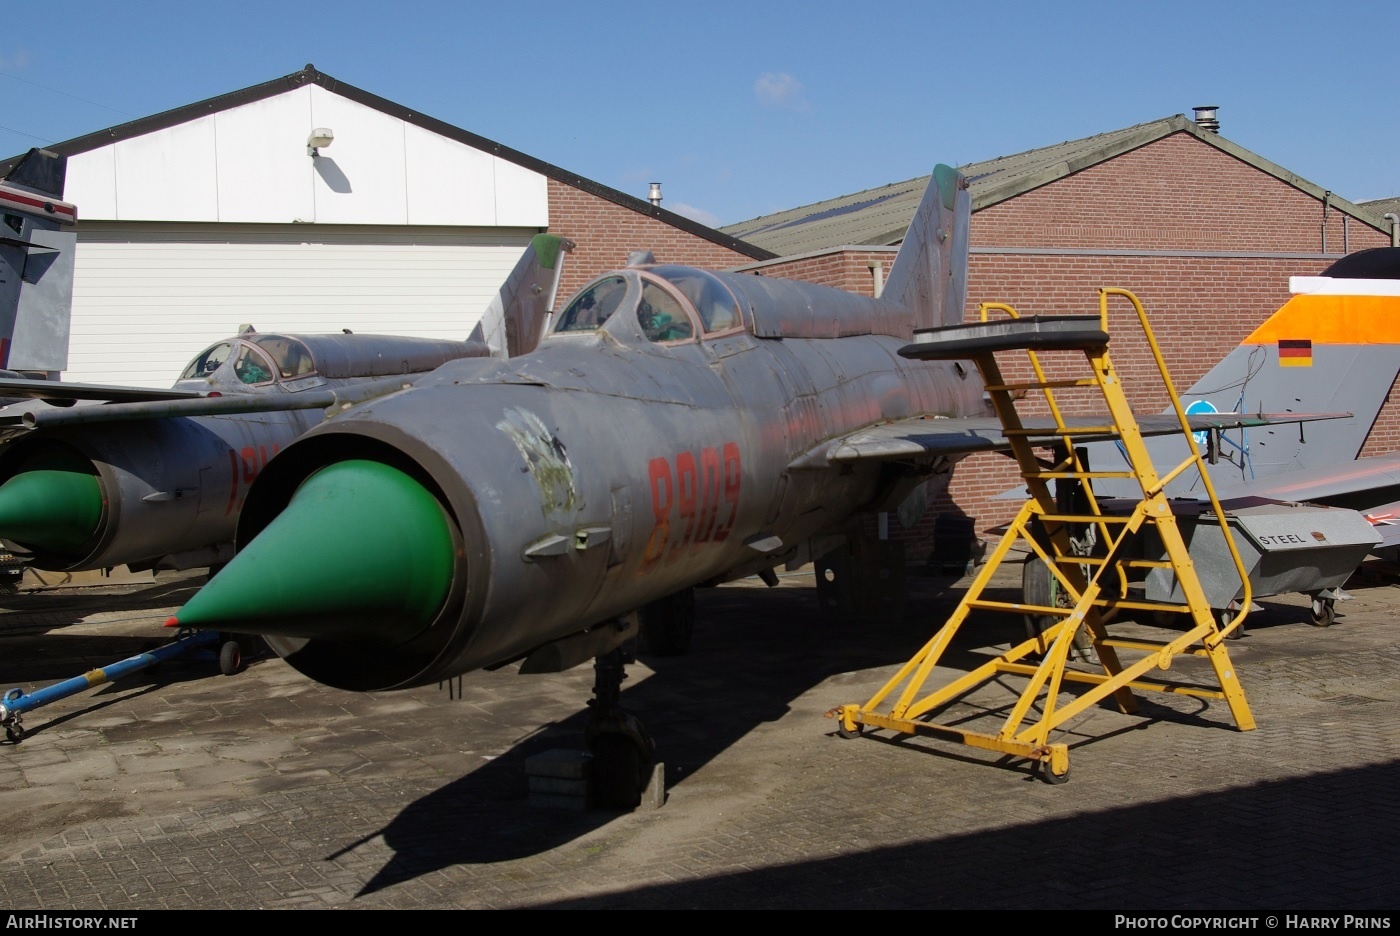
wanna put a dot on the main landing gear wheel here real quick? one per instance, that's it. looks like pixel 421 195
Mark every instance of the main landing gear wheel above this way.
pixel 622 750
pixel 1039 587
pixel 1324 612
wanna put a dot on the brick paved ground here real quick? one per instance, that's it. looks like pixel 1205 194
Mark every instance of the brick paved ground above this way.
pixel 186 789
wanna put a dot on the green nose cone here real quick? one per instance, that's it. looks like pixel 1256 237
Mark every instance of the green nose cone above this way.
pixel 53 505
pixel 362 553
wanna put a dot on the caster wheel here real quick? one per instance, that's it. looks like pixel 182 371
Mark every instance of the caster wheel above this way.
pixel 1052 778
pixel 855 733
pixel 1324 612
pixel 15 733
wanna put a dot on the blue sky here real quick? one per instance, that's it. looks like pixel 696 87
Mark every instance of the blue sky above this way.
pixel 741 109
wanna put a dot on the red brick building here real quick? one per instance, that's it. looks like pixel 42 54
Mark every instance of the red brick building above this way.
pixel 1204 232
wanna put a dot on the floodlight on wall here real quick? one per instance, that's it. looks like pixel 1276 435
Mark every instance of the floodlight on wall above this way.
pixel 321 136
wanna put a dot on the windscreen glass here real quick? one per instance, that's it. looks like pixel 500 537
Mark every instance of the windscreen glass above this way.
pixel 208 362
pixel 592 307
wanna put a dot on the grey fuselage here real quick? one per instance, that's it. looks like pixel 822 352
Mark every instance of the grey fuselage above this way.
pixel 605 470
pixel 173 486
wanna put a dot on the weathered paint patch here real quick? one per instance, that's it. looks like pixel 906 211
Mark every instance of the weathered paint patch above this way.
pixel 545 459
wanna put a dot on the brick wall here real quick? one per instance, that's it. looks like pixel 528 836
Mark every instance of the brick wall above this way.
pixel 606 233
pixel 841 269
pixel 1175 195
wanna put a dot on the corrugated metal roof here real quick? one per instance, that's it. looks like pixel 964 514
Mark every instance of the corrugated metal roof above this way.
pixel 1381 206
pixel 880 216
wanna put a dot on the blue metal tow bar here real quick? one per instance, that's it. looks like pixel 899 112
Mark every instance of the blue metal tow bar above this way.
pixel 16 702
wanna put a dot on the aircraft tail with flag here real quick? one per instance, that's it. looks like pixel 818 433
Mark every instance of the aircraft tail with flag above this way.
pixel 1334 347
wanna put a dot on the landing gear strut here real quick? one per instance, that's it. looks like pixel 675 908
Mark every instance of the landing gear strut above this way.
pixel 622 750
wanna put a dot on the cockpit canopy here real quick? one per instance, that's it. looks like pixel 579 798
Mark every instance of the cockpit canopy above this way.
pixel 671 303
pixel 256 359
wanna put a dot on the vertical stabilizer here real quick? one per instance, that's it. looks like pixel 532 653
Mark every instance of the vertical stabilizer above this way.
pixel 1334 347
pixel 514 322
pixel 37 243
pixel 929 274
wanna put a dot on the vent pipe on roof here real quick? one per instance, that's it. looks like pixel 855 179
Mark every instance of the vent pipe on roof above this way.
pixel 1205 118
pixel 654 196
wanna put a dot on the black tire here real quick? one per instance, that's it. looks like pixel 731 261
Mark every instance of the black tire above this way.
pixel 1324 612
pixel 617 772
pixel 1038 587
pixel 230 658
pixel 15 733
pixel 848 735
pixel 667 626
pixel 1052 778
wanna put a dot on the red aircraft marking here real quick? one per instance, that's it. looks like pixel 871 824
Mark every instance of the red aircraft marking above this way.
pixel 694 497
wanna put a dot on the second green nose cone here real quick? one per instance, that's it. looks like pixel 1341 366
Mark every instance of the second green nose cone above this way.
pixel 362 553
pixel 53 504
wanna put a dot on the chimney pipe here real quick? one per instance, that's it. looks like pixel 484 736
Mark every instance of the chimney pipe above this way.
pixel 1205 118
pixel 655 195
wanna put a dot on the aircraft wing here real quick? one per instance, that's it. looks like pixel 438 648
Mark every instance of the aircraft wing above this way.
pixel 201 405
pixel 58 392
pixel 922 438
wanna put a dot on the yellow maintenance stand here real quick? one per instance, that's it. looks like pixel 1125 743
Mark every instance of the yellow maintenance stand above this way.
pixel 1095 586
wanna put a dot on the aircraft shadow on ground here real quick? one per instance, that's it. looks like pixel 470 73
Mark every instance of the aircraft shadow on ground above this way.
pixel 755 651
pixel 1325 842
pixel 66 607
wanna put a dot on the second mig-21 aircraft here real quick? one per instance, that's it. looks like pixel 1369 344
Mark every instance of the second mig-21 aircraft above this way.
pixel 156 478
pixel 677 427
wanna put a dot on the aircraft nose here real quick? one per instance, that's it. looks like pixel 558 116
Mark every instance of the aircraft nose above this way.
pixel 362 552
pixel 53 504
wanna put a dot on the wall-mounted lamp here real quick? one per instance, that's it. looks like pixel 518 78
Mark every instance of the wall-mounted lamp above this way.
pixel 319 137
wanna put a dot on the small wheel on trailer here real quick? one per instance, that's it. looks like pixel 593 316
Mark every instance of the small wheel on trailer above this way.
pixel 617 771
pixel 15 732
pixel 1324 611
pixel 230 658
pixel 848 734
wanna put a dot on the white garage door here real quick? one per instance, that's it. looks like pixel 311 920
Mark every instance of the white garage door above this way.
pixel 148 297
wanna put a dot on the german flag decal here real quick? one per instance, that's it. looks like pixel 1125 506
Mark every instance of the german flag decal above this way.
pixel 1295 352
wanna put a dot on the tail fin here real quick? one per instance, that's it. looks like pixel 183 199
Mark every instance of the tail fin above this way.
pixel 514 322
pixel 1333 347
pixel 929 274
pixel 36 260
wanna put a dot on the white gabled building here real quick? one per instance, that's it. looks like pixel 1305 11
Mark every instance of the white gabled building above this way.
pixel 199 220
